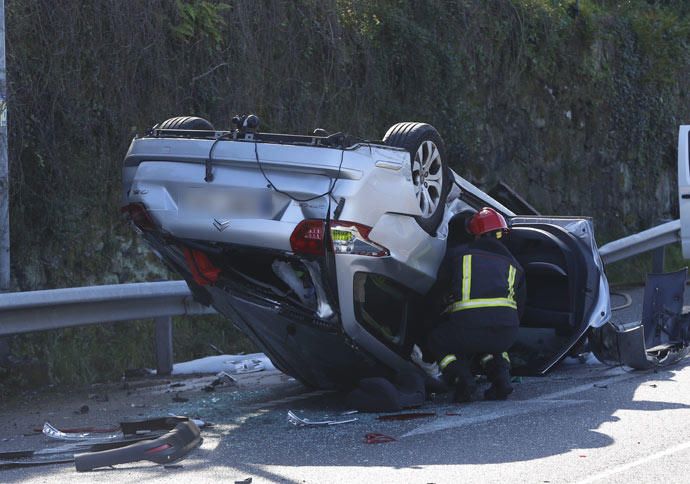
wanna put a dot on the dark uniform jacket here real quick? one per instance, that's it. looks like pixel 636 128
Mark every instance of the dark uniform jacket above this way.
pixel 484 285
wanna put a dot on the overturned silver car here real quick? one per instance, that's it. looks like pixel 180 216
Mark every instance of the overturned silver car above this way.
pixel 323 248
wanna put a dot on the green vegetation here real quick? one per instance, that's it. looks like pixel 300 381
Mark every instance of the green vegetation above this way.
pixel 576 104
pixel 101 353
pixel 635 269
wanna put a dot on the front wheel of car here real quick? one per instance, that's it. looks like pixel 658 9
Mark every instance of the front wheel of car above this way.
pixel 431 176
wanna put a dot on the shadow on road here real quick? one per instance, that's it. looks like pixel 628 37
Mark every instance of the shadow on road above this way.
pixel 548 416
pixel 538 428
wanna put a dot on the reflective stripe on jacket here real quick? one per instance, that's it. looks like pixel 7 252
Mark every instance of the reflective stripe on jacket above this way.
pixel 483 284
pixel 467 302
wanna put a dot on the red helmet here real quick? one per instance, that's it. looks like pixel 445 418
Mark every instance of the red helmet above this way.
pixel 486 220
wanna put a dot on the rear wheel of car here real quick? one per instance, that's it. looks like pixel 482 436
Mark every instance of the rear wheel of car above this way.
pixel 430 174
pixel 187 122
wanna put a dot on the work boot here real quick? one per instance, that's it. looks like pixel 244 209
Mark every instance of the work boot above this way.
pixel 498 373
pixel 465 386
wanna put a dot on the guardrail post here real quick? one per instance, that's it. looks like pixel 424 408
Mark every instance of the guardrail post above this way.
pixel 164 345
pixel 658 256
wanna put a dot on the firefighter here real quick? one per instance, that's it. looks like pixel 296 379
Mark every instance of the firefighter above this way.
pixel 482 288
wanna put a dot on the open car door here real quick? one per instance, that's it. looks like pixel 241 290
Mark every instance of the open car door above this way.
pixel 567 290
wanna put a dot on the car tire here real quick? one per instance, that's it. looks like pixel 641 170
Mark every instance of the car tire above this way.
pixel 187 122
pixel 431 176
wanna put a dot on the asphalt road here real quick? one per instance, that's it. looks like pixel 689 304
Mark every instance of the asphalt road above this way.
pixel 581 423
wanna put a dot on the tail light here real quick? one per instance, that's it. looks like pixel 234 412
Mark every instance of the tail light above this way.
pixel 140 216
pixel 202 269
pixel 353 238
pixel 347 238
pixel 307 238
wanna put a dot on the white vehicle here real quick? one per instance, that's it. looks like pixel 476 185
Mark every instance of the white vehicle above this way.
pixel 684 187
pixel 323 248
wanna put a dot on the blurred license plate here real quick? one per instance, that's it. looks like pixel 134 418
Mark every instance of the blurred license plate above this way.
pixel 235 203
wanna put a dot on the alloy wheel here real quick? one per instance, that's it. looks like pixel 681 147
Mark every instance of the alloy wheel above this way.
pixel 427 177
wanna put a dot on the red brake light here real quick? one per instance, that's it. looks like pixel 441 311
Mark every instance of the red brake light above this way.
pixel 346 238
pixel 140 216
pixel 202 269
pixel 307 238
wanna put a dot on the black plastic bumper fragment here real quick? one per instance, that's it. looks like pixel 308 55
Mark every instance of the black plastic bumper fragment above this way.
pixel 166 449
pixel 660 338
pixel 137 427
pixel 11 464
pixel 133 431
pixel 625 344
pixel 63 453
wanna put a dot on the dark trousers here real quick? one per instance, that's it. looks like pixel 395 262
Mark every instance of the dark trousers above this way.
pixel 452 337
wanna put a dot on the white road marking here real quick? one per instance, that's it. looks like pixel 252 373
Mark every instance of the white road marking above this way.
pixel 635 463
pixel 588 386
pixel 489 411
pixel 478 413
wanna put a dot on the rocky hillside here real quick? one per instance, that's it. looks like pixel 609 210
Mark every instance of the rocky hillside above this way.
pixel 575 104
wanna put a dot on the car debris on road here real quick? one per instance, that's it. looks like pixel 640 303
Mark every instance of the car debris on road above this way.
pixel 125 429
pixel 406 416
pixel 377 438
pixel 305 422
pixel 52 432
pixel 161 440
pixel 662 335
pixel 168 448
pixel 224 364
pixel 222 379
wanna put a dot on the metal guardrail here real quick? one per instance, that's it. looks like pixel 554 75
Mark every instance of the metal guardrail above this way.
pixel 23 312
pixel 650 239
